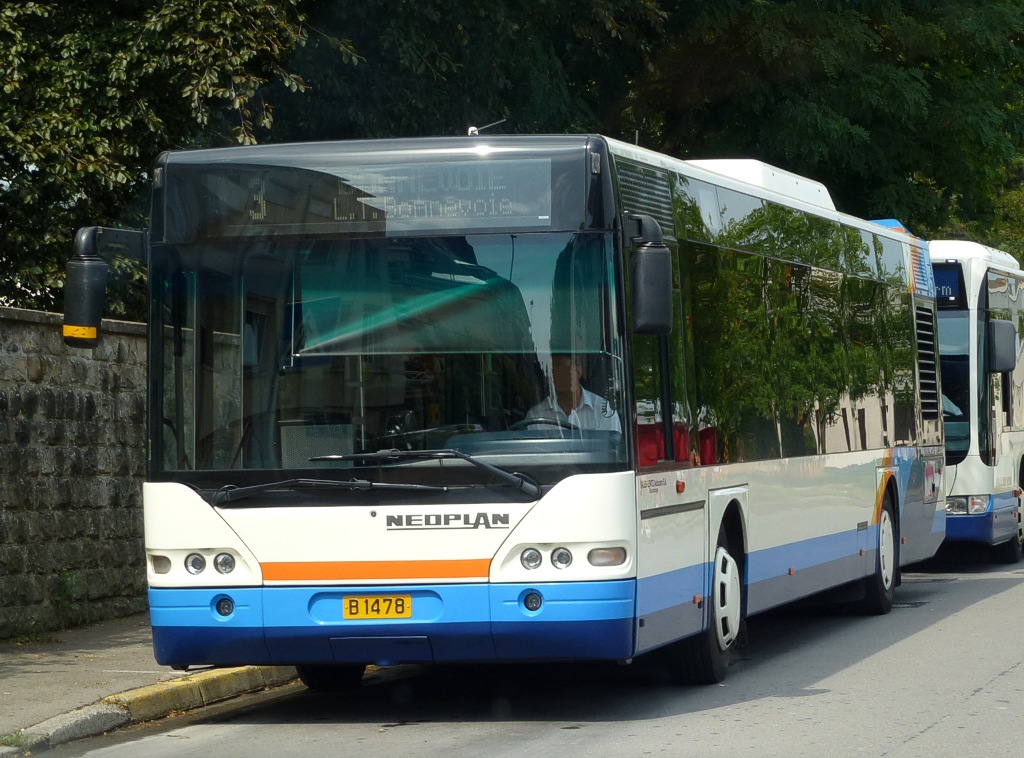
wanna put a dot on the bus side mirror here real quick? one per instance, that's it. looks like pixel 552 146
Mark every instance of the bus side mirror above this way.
pixel 651 276
pixel 85 280
pixel 1002 346
pixel 85 286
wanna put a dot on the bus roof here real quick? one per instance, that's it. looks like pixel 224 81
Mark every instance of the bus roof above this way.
pixel 392 149
pixel 770 177
pixel 961 250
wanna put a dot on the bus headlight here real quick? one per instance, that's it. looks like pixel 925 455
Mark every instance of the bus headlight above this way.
pixel 224 563
pixel 561 558
pixel 530 558
pixel 195 563
pixel 977 504
pixel 964 504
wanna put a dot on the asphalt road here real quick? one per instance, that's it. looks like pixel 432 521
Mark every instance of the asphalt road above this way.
pixel 942 675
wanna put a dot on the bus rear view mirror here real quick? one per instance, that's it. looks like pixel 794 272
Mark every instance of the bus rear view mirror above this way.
pixel 1002 346
pixel 651 276
pixel 85 280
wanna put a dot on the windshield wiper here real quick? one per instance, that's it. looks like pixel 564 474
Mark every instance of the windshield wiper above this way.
pixel 519 482
pixel 229 492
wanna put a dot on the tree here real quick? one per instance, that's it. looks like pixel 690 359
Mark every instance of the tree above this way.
pixel 901 108
pixel 93 92
pixel 436 67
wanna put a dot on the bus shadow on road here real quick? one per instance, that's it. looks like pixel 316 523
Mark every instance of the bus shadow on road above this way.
pixel 792 651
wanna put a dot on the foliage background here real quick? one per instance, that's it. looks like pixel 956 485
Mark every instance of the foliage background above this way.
pixel 903 108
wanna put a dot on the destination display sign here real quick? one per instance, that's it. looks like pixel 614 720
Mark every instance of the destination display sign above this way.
pixel 233 200
pixel 947 284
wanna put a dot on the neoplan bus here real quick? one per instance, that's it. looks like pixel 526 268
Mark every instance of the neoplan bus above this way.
pixel 348 347
pixel 981 313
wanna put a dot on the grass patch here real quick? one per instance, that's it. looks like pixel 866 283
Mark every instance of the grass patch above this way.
pixel 15 740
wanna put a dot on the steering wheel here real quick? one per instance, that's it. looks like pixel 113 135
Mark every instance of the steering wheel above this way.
pixel 543 421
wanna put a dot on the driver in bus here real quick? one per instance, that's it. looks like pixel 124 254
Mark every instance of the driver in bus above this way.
pixel 572 404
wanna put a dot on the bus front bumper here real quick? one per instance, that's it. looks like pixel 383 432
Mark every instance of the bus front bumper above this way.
pixel 449 623
pixel 996 525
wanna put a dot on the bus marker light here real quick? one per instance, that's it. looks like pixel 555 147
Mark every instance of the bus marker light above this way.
pixel 680 487
pixel 792 571
pixel 195 563
pixel 561 558
pixel 607 556
pixel 532 601
pixel 161 564
pixel 225 606
pixel 698 599
pixel 530 558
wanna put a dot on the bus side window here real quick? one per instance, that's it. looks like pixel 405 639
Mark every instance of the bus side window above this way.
pixel 647 377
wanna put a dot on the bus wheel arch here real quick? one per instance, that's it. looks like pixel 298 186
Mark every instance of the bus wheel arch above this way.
pixel 704 658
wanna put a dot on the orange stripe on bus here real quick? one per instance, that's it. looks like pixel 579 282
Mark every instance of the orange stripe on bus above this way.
pixel 353 570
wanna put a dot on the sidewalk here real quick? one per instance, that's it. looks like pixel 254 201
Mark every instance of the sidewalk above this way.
pixel 82 682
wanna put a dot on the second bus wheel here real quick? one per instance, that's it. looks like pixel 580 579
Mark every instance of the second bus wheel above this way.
pixel 1008 552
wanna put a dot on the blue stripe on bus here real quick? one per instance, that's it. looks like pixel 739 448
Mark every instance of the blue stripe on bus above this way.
pixel 816 563
pixel 285 625
pixel 806 554
pixel 188 631
pixel 673 588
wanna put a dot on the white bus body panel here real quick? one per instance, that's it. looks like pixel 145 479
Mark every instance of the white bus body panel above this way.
pixel 471 543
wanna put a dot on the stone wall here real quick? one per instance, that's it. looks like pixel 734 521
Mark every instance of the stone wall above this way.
pixel 72 460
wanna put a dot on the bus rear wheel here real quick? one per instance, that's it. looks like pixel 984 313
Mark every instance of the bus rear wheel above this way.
pixel 880 587
pixel 704 658
pixel 331 677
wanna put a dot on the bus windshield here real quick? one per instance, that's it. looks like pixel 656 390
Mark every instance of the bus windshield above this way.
pixel 275 353
pixel 954 348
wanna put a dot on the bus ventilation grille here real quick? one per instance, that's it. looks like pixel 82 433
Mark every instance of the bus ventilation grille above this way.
pixel 926 364
pixel 646 190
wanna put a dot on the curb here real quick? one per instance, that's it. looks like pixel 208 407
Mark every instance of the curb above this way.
pixel 148 703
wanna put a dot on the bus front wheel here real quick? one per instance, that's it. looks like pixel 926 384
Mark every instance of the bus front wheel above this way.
pixel 331 678
pixel 704 658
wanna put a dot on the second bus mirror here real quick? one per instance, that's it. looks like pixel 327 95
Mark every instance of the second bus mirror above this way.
pixel 651 277
pixel 1002 346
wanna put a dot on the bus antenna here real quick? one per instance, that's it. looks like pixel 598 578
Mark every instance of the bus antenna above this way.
pixel 474 131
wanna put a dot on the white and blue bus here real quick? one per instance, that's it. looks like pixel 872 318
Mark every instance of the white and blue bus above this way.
pixel 516 398
pixel 981 313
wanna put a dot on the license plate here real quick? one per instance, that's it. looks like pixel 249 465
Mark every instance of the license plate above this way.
pixel 377 606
